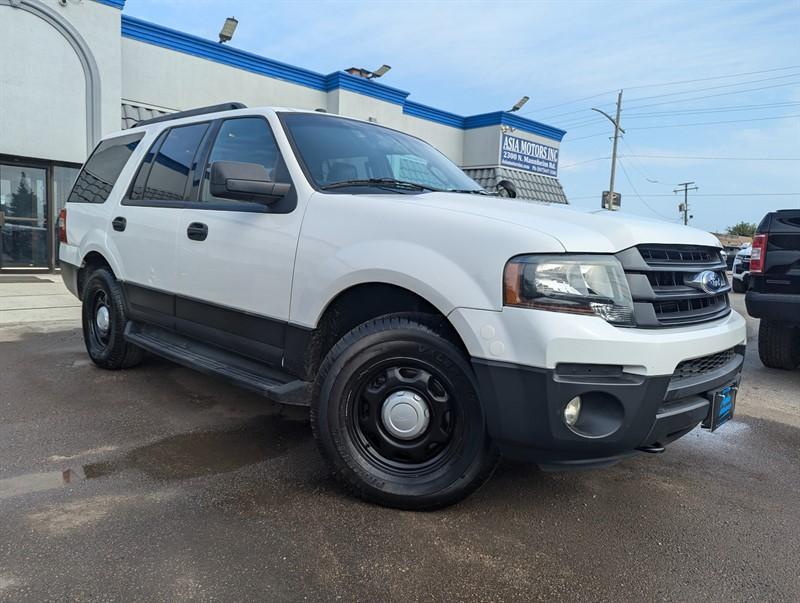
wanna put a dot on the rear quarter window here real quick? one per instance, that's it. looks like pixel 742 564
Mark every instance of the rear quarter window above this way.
pixel 99 174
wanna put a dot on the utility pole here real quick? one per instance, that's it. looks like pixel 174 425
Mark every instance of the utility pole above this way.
pixel 617 130
pixel 684 207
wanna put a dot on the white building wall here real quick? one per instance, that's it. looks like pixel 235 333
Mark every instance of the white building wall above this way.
pixel 173 80
pixel 43 86
pixel 447 139
pixel 43 99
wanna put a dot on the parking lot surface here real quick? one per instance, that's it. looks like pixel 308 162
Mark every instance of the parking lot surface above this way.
pixel 159 483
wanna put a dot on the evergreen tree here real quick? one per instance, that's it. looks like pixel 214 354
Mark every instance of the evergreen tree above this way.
pixel 23 200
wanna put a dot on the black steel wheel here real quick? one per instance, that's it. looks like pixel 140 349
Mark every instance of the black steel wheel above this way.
pixel 396 413
pixel 103 318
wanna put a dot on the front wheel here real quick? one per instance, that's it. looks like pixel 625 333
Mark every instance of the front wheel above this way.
pixel 103 317
pixel 396 413
pixel 739 286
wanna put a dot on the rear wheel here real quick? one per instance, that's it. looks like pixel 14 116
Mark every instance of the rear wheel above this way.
pixel 739 286
pixel 778 345
pixel 397 415
pixel 103 317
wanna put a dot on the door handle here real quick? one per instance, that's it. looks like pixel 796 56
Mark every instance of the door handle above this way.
pixel 197 231
pixel 119 223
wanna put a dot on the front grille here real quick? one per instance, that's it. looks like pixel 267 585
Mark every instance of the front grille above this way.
pixel 661 281
pixel 664 254
pixel 697 367
pixel 679 310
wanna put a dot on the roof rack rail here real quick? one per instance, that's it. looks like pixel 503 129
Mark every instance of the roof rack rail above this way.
pixel 192 113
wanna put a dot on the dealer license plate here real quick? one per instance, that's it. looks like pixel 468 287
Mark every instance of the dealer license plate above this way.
pixel 723 402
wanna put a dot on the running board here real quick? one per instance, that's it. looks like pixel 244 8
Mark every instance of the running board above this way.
pixel 211 360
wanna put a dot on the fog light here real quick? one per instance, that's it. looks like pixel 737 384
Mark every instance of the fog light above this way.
pixel 572 411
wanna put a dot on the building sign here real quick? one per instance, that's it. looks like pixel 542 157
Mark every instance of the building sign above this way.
pixel 527 155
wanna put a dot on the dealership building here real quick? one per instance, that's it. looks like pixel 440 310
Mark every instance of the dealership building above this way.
pixel 76 70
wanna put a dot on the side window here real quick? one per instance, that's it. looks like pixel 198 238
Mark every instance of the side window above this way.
pixel 98 176
pixel 170 166
pixel 248 140
pixel 137 190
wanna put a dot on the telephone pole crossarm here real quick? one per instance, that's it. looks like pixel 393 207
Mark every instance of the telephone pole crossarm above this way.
pixel 684 207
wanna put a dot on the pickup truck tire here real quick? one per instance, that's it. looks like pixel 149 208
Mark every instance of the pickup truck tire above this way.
pixel 103 318
pixel 739 286
pixel 366 387
pixel 778 345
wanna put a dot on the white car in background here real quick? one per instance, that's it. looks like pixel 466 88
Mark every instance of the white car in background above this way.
pixel 740 272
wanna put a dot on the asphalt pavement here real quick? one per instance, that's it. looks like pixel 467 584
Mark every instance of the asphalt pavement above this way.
pixel 159 483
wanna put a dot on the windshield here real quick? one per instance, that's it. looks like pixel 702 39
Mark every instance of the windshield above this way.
pixel 338 153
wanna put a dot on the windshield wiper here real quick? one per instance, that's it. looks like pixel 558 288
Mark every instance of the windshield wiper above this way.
pixel 468 191
pixel 381 182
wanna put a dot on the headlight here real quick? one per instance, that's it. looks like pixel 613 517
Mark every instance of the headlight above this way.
pixel 577 284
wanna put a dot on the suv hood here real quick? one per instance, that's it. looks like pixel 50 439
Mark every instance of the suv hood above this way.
pixel 578 230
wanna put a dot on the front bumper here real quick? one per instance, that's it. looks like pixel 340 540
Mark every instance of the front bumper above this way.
pixel 524 408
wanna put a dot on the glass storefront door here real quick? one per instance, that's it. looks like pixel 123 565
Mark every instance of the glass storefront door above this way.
pixel 25 233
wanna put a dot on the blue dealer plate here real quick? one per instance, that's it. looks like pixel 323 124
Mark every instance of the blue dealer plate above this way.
pixel 723 403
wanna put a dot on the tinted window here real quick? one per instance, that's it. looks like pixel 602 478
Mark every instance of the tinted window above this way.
pixel 98 176
pixel 336 150
pixel 249 140
pixel 137 190
pixel 173 162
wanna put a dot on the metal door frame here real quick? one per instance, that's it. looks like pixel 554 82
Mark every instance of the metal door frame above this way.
pixel 50 213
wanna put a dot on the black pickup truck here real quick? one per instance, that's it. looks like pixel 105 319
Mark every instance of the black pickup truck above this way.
pixel 774 291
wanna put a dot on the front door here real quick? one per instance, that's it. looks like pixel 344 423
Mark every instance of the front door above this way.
pixel 24 229
pixel 234 282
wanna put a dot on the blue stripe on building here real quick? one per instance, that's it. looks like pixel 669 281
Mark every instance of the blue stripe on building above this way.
pixel 150 33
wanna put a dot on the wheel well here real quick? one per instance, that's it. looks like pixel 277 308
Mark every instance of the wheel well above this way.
pixel 359 304
pixel 91 262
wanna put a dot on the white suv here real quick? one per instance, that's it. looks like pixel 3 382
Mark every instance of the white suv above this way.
pixel 430 326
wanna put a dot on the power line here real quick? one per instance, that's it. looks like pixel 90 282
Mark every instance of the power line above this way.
pixel 717 77
pixel 724 109
pixel 683 100
pixel 579 122
pixel 569 165
pixel 706 123
pixel 710 195
pixel 766 79
pixel 699 123
pixel 687 99
pixel 693 157
pixel 646 177
pixel 635 192
pixel 583 121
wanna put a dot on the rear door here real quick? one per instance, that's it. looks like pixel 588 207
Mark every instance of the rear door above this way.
pixel 143 230
pixel 782 258
pixel 236 258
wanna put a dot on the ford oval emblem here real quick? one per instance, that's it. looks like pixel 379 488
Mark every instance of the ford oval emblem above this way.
pixel 709 281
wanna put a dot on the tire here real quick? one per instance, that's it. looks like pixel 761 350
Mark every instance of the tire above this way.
pixel 397 359
pixel 778 345
pixel 107 348
pixel 739 286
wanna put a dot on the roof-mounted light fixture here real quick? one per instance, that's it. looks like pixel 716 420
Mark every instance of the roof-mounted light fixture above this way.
pixel 367 74
pixel 520 103
pixel 228 28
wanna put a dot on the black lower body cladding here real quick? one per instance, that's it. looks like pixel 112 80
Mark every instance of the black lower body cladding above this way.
pixel 621 412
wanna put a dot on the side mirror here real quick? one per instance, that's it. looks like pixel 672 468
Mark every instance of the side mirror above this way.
pixel 506 188
pixel 245 182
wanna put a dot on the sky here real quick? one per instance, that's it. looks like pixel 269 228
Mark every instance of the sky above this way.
pixel 680 64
